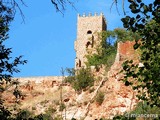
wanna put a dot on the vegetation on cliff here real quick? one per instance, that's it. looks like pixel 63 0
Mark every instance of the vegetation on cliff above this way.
pixel 107 50
pixel 81 80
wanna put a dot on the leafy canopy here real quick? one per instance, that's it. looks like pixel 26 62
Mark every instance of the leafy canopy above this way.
pixel 146 22
pixel 8 65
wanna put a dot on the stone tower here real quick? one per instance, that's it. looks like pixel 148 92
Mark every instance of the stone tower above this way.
pixel 87 37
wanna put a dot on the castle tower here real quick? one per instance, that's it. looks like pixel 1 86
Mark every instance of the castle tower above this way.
pixel 87 38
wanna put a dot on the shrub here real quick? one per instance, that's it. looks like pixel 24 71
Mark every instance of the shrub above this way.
pixel 43 117
pixel 58 118
pixel 73 119
pixel 24 114
pixel 81 80
pixel 123 117
pixel 50 110
pixel 70 79
pixel 43 102
pixel 100 98
pixel 110 60
pixel 56 102
pixel 33 108
pixel 141 109
pixel 106 52
pixel 62 107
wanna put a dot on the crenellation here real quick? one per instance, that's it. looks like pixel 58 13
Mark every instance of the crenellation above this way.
pixel 84 15
pixel 101 14
pixel 90 14
pixel 95 14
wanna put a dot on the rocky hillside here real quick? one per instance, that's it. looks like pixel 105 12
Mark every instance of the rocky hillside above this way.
pixel 42 94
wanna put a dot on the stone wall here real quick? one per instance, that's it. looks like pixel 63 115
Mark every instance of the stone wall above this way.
pixel 39 80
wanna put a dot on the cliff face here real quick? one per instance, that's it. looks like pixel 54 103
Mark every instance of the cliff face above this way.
pixel 118 97
pixel 41 93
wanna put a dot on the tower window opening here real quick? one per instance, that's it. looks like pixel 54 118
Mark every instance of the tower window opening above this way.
pixel 89 32
pixel 88 44
pixel 92 41
pixel 79 63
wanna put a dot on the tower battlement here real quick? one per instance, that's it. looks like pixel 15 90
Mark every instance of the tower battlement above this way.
pixel 90 15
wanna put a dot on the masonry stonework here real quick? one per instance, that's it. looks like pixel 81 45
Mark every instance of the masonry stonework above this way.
pixel 87 40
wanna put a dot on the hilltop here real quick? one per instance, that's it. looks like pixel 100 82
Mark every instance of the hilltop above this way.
pixel 42 94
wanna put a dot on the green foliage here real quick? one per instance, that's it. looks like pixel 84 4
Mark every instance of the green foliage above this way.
pixel 42 117
pixel 43 102
pixel 8 65
pixel 56 102
pixel 50 110
pixel 71 75
pixel 58 118
pixel 4 113
pixel 106 52
pixel 121 34
pixel 100 97
pixel 33 108
pixel 123 117
pixel 73 119
pixel 141 110
pixel 94 60
pixel 70 71
pixel 81 80
pixel 24 114
pixel 62 107
pixel 146 22
pixel 27 115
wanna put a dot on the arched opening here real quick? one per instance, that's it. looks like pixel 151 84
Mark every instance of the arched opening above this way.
pixel 89 32
pixel 88 44
pixel 76 64
pixel 79 63
pixel 92 41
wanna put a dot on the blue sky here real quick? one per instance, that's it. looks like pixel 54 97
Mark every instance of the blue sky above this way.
pixel 46 39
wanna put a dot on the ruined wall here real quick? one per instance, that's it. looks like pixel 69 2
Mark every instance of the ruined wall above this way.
pixel 125 51
pixel 87 38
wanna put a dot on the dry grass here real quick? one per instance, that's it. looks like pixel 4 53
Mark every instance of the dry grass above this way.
pixel 44 95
